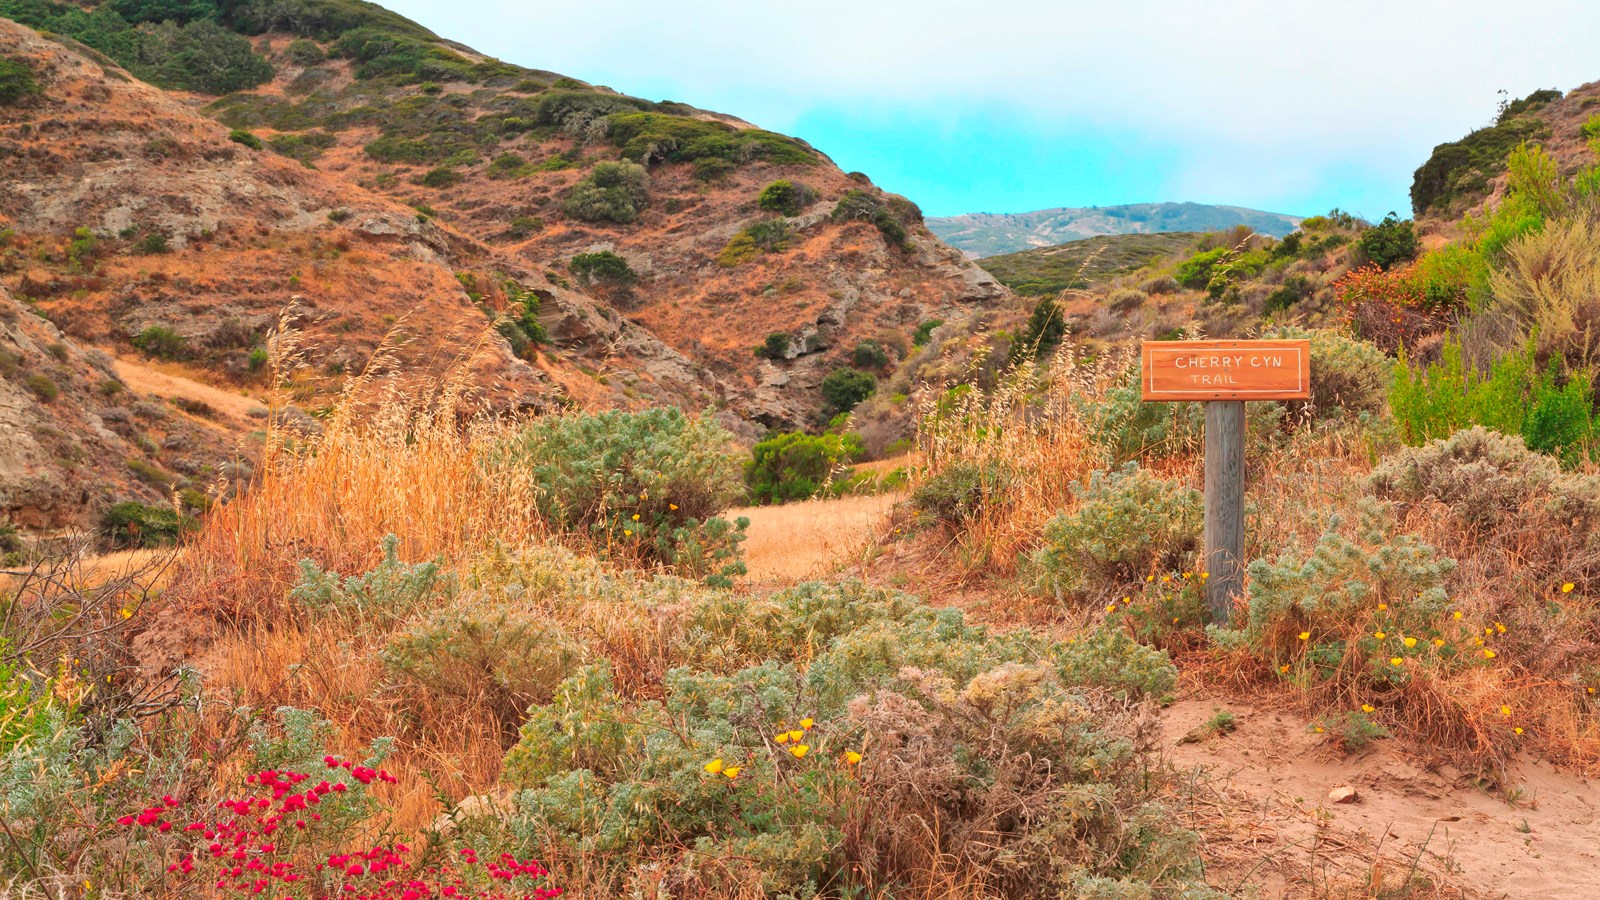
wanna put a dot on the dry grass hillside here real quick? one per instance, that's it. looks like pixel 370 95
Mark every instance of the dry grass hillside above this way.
pixel 430 226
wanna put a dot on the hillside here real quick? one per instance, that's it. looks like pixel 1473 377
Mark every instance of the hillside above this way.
pixel 414 203
pixel 1081 263
pixel 1464 174
pixel 980 235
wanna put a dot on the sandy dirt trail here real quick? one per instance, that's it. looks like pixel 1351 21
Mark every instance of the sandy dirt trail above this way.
pixel 1263 799
pixel 172 380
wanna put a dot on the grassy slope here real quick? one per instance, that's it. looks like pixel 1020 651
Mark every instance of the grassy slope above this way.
pixel 1080 264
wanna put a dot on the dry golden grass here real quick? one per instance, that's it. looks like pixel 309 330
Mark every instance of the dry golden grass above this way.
pixel 796 541
pixel 1030 426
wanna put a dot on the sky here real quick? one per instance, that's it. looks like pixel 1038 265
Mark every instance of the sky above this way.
pixel 1007 106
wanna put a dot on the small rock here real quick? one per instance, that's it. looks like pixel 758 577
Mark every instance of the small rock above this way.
pixel 1344 794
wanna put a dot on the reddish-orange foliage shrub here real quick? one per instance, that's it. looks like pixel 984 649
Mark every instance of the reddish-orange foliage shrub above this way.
pixel 1390 308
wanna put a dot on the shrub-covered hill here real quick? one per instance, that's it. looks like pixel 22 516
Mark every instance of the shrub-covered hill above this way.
pixel 559 242
pixel 1463 174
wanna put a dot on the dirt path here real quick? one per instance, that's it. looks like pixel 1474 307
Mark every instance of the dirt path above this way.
pixel 1268 820
pixel 172 380
pixel 803 540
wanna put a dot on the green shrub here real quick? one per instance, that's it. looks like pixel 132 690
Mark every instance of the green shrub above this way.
pixel 42 387
pixel 924 332
pixel 869 354
pixel 797 466
pixel 379 598
pixel 1124 427
pixel 153 243
pixel 1195 272
pixel 509 165
pixel 191 53
pixel 786 197
pixel 240 136
pixel 1128 523
pixel 1352 376
pixel 712 168
pixel 961 492
pixel 16 82
pixel 775 347
pixel 1350 619
pixel 646 486
pixel 602 268
pixel 1553 415
pixel 441 177
pixel 1043 332
pixel 161 342
pixel 652 137
pixel 761 237
pixel 611 192
pixel 824 707
pixel 496 650
pixel 1294 289
pixel 1484 478
pixel 1390 241
pixel 842 389
pixel 133 524
pixel 889 219
pixel 305 53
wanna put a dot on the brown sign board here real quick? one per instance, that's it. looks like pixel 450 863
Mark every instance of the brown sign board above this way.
pixel 1226 370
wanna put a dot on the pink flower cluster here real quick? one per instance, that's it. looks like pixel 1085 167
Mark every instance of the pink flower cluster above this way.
pixel 267 842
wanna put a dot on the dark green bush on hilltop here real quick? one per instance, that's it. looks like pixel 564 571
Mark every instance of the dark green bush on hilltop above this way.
pixel 652 137
pixel 1460 171
pixel 796 466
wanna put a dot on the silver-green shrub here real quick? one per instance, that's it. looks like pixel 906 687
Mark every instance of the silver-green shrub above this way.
pixel 1128 523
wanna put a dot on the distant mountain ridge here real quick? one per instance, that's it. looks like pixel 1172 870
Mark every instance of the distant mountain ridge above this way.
pixel 990 234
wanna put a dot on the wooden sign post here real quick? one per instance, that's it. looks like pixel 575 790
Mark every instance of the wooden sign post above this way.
pixel 1223 375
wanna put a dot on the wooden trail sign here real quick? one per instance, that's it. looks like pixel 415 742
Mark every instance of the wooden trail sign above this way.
pixel 1223 375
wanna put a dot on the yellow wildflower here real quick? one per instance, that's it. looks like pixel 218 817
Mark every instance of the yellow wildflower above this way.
pixel 1500 628
pixel 1438 642
pixel 1567 588
pixel 1319 729
pixel 636 517
pixel 1149 578
pixel 1382 607
pixel 1518 729
pixel 1395 660
pixel 1366 707
pixel 1489 654
pixel 627 532
pixel 1305 635
pixel 1456 614
pixel 714 766
pixel 799 750
pixel 1284 668
pixel 1505 710
pixel 1380 635
pixel 126 612
pixel 852 757
pixel 807 723
pixel 1411 642
pixel 732 771
pixel 782 738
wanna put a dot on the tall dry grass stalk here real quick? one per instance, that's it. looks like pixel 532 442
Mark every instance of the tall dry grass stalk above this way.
pixel 1025 440
pixel 409 457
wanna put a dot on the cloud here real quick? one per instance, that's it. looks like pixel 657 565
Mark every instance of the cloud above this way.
pixel 1287 93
